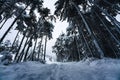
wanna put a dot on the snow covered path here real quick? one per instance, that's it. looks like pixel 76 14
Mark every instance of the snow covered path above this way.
pixel 105 69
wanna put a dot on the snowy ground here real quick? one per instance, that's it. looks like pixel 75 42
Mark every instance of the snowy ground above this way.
pixel 105 69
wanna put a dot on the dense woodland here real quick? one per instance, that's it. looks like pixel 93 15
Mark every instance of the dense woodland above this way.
pixel 93 30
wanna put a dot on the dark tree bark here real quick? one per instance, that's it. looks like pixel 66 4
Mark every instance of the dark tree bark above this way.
pixel 3 23
pixel 26 53
pixel 22 52
pixel 39 51
pixel 45 47
pixel 33 54
pixel 14 40
pixel 12 25
pixel 17 54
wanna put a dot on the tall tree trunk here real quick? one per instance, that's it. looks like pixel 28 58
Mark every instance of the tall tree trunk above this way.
pixel 113 20
pixel 95 41
pixel 26 53
pixel 79 53
pixel 3 23
pixel 39 51
pixel 45 47
pixel 14 40
pixel 112 35
pixel 33 54
pixel 2 20
pixel 81 34
pixel 42 52
pixel 12 25
pixel 6 19
pixel 22 52
pixel 16 55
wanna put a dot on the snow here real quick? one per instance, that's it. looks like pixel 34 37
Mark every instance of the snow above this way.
pixel 6 57
pixel 104 69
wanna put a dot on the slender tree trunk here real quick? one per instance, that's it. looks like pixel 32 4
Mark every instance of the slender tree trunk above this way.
pixel 14 40
pixel 39 51
pixel 79 53
pixel 113 20
pixel 112 35
pixel 90 32
pixel 22 52
pixel 84 39
pixel 3 23
pixel 33 54
pixel 5 20
pixel 45 47
pixel 16 55
pixel 2 20
pixel 12 25
pixel 42 51
pixel 7 17
pixel 26 53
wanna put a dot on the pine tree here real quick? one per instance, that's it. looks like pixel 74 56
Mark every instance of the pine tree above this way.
pixel 28 24
pixel 95 20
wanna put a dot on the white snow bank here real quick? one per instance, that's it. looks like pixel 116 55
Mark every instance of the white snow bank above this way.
pixel 105 69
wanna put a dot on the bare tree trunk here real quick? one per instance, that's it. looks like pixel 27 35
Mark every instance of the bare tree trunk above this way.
pixel 113 20
pixel 39 51
pixel 7 17
pixel 79 53
pixel 45 47
pixel 14 40
pixel 118 42
pixel 90 32
pixel 3 23
pixel 42 50
pixel 84 39
pixel 12 25
pixel 22 52
pixel 26 53
pixel 16 55
pixel 2 20
pixel 33 54
pixel 112 35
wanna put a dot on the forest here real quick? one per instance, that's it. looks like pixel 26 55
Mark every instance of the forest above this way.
pixel 93 29
pixel 93 32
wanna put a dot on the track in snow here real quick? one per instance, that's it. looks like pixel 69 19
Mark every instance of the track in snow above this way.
pixel 106 69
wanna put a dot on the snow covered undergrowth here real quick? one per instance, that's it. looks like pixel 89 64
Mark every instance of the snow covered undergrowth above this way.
pixel 105 69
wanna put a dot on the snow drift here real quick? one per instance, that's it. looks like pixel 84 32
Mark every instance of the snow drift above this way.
pixel 105 69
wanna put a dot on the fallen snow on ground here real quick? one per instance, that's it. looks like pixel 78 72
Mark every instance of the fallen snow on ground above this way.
pixel 105 69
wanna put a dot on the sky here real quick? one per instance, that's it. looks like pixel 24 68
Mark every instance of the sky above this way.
pixel 58 29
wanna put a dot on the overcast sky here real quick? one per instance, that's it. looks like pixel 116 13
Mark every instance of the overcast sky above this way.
pixel 59 26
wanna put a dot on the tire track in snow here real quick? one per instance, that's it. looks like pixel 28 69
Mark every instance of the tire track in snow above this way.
pixel 57 73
